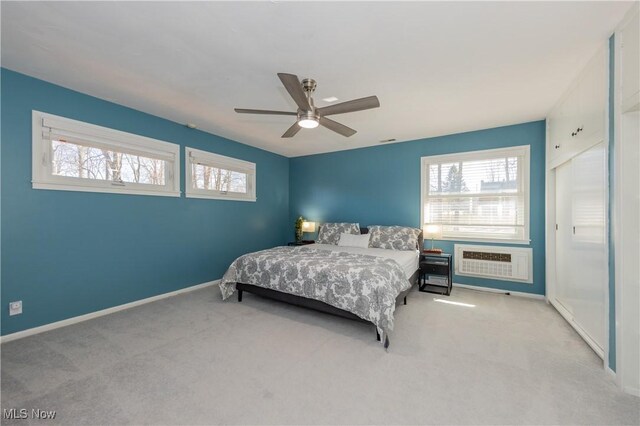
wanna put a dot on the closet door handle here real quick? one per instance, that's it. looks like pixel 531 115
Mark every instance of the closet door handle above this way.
pixel 574 230
pixel 557 146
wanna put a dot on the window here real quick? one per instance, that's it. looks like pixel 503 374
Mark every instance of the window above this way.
pixel 71 155
pixel 481 195
pixel 216 176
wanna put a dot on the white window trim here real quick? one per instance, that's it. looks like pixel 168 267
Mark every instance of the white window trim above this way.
pixel 217 160
pixel 522 150
pixel 42 177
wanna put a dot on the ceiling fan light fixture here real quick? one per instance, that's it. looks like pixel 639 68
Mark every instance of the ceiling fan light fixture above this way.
pixel 308 120
pixel 308 123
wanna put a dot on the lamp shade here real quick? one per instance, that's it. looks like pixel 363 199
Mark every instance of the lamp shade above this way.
pixel 308 226
pixel 432 231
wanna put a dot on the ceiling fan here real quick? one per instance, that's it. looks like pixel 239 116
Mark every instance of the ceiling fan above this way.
pixel 308 115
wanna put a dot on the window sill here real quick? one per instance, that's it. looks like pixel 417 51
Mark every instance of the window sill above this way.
pixel 220 197
pixel 102 189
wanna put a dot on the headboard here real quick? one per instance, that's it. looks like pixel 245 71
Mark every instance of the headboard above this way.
pixel 365 230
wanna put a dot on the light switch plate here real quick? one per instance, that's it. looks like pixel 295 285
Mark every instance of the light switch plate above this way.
pixel 15 308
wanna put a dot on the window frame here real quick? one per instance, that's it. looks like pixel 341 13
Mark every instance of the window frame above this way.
pixel 219 161
pixel 42 176
pixel 514 151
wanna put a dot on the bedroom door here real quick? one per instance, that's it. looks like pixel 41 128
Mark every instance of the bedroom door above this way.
pixel 580 243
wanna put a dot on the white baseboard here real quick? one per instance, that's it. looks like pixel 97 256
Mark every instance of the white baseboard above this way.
pixel 495 290
pixel 96 314
pixel 564 313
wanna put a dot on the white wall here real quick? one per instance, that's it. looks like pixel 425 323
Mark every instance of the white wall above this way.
pixel 627 202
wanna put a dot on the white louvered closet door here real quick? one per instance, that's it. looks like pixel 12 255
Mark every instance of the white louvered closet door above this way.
pixel 580 242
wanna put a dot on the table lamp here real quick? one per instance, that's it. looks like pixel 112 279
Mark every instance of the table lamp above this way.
pixel 432 231
pixel 308 226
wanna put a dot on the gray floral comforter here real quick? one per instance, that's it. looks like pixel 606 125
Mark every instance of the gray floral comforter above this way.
pixel 364 285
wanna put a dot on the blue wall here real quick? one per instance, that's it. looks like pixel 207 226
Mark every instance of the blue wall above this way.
pixel 70 253
pixel 381 185
pixel 612 253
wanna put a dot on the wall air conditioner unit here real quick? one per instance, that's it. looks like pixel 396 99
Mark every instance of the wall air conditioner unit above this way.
pixel 496 262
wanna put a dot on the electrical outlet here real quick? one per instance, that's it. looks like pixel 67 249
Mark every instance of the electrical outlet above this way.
pixel 15 308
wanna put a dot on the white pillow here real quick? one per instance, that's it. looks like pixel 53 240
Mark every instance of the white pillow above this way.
pixel 351 240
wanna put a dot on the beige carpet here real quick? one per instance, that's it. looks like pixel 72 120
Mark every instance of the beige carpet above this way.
pixel 194 359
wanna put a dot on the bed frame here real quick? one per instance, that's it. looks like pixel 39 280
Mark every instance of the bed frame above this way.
pixel 321 306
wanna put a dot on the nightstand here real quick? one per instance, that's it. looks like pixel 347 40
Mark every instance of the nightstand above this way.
pixel 436 273
pixel 301 243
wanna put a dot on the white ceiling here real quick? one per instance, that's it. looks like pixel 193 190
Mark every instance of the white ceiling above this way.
pixel 437 68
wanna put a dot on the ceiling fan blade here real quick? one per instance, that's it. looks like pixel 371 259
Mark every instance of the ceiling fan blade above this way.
pixel 350 106
pixel 337 127
pixel 293 86
pixel 291 131
pixel 263 111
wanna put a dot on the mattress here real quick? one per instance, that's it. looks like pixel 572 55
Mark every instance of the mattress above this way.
pixel 408 260
pixel 349 279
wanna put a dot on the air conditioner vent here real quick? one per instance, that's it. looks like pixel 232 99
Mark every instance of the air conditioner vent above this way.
pixel 501 263
pixel 481 255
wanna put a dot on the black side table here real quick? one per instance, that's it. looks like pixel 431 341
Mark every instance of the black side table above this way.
pixel 301 243
pixel 436 273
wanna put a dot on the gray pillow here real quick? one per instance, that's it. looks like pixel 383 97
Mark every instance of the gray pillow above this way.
pixel 329 233
pixel 394 237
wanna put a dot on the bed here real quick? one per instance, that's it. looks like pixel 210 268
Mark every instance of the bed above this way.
pixel 359 283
